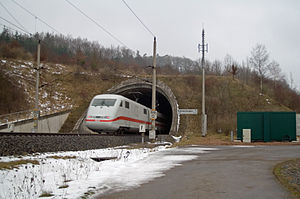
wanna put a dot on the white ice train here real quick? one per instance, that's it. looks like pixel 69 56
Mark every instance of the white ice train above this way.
pixel 115 113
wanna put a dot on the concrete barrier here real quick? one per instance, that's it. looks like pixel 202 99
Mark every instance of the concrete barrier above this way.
pixel 47 124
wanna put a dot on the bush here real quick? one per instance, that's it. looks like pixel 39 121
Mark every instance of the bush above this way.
pixel 12 98
pixel 14 51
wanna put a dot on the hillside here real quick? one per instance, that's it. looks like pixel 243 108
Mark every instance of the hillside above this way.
pixel 21 75
pixel 70 87
pixel 224 98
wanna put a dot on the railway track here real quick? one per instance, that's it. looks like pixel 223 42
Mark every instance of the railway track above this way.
pixel 27 143
pixel 60 134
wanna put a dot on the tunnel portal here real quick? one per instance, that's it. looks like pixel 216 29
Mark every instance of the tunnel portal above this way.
pixel 140 90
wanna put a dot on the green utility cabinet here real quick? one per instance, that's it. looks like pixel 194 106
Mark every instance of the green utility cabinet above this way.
pixel 267 126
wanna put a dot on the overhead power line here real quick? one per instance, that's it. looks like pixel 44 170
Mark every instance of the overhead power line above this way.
pixel 15 26
pixel 7 27
pixel 138 18
pixel 13 16
pixel 36 17
pixel 95 22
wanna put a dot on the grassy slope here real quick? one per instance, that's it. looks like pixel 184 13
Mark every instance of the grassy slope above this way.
pixel 288 175
pixel 224 98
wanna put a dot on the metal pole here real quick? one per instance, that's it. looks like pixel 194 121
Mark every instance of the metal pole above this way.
pixel 36 108
pixel 153 117
pixel 204 118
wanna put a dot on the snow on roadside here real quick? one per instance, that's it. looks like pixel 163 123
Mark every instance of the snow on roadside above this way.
pixel 81 175
pixel 243 146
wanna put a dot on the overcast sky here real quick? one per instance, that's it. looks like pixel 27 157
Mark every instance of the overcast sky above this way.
pixel 232 27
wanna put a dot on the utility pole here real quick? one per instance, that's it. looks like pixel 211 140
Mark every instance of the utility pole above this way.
pixel 203 48
pixel 152 134
pixel 36 108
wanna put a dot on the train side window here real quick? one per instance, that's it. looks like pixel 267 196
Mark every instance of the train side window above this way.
pixel 145 111
pixel 121 104
pixel 126 104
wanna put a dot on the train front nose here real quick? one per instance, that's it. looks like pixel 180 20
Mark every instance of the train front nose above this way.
pixel 92 124
pixel 101 113
pixel 101 124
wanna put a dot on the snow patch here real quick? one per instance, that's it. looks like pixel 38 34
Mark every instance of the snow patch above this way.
pixel 80 174
pixel 28 63
pixel 177 139
pixel 45 94
pixel 242 146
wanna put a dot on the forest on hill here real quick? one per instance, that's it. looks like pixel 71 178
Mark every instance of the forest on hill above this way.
pixel 258 71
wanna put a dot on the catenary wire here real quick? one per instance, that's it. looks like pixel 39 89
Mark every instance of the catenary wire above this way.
pixel 13 16
pixel 26 32
pixel 36 17
pixel 15 25
pixel 95 22
pixel 138 18
pixel 7 27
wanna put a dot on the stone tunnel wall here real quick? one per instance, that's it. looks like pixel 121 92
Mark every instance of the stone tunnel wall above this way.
pixel 161 88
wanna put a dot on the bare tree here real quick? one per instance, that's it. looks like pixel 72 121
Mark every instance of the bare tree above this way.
pixel 274 72
pixel 228 61
pixel 234 70
pixel 217 67
pixel 259 61
pixel 292 81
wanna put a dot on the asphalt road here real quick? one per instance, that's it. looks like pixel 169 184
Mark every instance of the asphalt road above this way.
pixel 229 172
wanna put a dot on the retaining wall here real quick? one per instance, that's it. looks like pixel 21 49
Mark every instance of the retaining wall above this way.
pixel 46 124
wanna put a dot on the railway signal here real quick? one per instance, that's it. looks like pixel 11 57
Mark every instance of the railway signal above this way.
pixel 142 129
pixel 153 115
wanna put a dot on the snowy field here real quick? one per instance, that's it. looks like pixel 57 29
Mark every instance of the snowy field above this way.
pixel 78 176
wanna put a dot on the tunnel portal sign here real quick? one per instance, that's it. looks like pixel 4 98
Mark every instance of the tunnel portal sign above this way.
pixel 152 135
pixel 187 111
pixel 153 115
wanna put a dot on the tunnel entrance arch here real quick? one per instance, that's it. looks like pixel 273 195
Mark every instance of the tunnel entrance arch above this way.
pixel 140 90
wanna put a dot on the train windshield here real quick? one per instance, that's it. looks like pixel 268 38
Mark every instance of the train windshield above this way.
pixel 104 102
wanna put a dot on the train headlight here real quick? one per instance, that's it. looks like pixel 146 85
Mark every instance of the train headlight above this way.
pixel 103 117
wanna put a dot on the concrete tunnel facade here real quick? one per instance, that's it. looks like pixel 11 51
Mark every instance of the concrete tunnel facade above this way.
pixel 140 90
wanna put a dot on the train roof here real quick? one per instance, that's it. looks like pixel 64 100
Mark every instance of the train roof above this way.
pixel 114 96
pixel 108 96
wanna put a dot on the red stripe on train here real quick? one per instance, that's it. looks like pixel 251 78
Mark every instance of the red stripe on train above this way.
pixel 90 120
pixel 123 118
pixel 119 118
pixel 127 119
